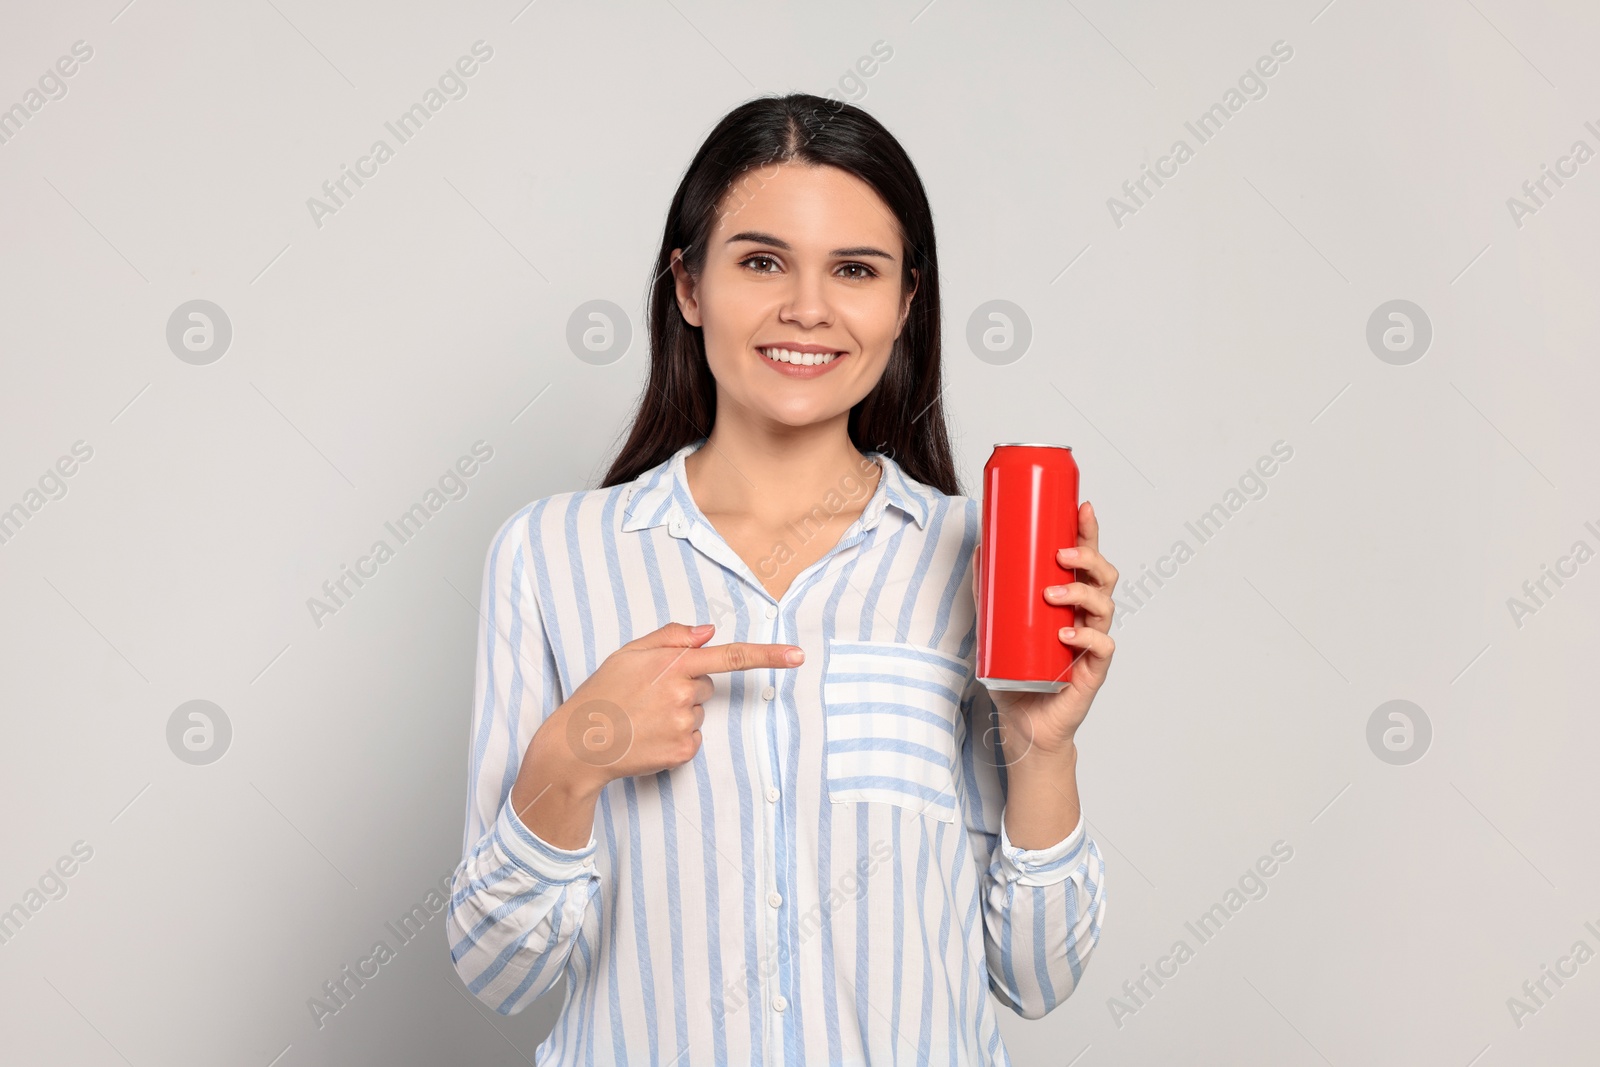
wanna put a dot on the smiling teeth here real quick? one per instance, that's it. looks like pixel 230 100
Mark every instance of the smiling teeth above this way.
pixel 804 359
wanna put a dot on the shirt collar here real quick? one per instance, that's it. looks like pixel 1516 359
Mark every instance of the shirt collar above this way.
pixel 660 496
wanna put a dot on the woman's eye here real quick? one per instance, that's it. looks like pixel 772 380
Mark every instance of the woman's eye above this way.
pixel 759 259
pixel 866 271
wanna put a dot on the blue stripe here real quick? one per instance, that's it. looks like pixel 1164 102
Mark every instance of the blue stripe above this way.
pixel 707 832
pixel 897 940
pixel 825 886
pixel 1008 957
pixel 644 889
pixel 749 802
pixel 541 959
pixel 830 974
pixel 952 1037
pixel 970 537
pixel 901 785
pixel 889 744
pixel 959 583
pixel 885 678
pixel 863 976
pixel 886 708
pixel 912 600
pixel 480 744
pixel 508 772
pixel 892 652
pixel 925 1024
pixel 1038 902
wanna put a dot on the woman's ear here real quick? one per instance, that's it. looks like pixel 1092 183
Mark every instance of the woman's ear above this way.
pixel 683 284
pixel 905 302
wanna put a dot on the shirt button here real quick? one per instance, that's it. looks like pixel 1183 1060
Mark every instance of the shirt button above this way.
pixel 589 861
pixel 772 611
pixel 775 900
pixel 768 693
pixel 772 794
pixel 677 527
pixel 778 1003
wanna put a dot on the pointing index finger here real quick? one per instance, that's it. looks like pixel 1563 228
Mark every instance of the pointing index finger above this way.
pixel 740 656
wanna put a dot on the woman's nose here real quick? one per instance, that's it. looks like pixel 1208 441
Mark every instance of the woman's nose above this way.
pixel 807 304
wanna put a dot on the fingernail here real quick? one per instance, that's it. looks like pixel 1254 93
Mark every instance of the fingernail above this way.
pixel 794 657
pixel 703 628
pixel 1067 632
pixel 1069 553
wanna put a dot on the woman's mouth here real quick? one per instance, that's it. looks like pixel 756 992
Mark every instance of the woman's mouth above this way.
pixel 799 364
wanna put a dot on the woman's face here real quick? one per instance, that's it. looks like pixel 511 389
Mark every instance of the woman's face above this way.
pixel 801 257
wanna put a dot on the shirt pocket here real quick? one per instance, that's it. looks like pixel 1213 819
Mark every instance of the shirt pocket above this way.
pixel 892 724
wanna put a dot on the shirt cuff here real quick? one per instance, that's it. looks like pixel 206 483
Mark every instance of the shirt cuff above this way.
pixel 536 855
pixel 1041 866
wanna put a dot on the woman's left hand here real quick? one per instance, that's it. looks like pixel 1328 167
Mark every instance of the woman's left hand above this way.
pixel 1048 722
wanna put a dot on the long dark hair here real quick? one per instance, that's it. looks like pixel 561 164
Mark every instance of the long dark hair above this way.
pixel 903 416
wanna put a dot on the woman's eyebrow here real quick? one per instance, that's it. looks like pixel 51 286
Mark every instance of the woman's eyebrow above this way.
pixel 777 242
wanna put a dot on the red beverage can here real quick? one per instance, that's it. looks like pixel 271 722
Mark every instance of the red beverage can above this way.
pixel 1030 512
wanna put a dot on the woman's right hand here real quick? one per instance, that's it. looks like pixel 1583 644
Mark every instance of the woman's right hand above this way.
pixel 640 712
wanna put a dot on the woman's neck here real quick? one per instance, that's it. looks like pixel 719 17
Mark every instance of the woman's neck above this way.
pixel 756 475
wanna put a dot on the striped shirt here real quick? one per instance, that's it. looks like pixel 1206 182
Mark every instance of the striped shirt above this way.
pixel 829 879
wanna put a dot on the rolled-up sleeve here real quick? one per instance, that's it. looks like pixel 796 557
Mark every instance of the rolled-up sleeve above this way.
pixel 1042 908
pixel 518 904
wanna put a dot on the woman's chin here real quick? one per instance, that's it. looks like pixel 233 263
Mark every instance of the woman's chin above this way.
pixel 799 416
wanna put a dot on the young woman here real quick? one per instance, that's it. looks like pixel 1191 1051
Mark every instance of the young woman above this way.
pixel 800 832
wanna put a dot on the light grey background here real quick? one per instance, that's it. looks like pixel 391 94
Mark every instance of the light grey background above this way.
pixel 370 352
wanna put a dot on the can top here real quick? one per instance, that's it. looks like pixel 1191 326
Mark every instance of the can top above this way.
pixel 1030 444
